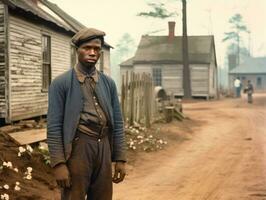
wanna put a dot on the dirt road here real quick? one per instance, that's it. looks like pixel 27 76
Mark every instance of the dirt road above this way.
pixel 224 159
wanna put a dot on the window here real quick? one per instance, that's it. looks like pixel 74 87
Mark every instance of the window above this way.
pixel 157 76
pixel 46 62
pixel 73 56
pixel 243 78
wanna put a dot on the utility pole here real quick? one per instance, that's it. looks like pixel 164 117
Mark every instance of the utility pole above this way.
pixel 186 70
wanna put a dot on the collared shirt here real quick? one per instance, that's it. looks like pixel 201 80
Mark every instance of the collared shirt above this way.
pixel 82 75
pixel 92 116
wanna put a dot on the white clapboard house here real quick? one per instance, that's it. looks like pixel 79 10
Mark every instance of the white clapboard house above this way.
pixel 35 47
pixel 161 56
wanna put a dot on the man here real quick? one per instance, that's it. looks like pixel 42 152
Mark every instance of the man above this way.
pixel 249 90
pixel 237 84
pixel 85 126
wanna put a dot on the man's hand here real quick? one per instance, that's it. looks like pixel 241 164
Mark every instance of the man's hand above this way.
pixel 120 172
pixel 62 175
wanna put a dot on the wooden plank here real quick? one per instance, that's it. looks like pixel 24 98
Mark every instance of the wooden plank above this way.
pixel 28 137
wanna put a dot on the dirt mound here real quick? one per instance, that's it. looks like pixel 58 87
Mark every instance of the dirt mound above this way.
pixel 40 186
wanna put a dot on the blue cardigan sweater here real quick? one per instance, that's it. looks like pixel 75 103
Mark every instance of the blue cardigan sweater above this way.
pixel 64 106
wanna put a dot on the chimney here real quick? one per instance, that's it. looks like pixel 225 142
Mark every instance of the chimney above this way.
pixel 171 28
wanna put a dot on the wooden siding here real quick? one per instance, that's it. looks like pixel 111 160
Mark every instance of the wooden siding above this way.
pixel 27 98
pixel 199 80
pixel 143 68
pixel 213 77
pixel 172 78
pixel 107 63
pixel 3 109
pixel 172 82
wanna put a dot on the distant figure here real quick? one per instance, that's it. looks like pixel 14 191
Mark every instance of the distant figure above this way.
pixel 237 84
pixel 249 90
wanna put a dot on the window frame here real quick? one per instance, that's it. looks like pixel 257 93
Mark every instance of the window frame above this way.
pixel 46 62
pixel 157 77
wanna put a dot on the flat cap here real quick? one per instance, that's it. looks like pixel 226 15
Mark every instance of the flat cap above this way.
pixel 87 34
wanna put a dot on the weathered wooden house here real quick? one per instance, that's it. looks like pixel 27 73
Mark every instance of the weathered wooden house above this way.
pixel 35 47
pixel 161 56
pixel 253 69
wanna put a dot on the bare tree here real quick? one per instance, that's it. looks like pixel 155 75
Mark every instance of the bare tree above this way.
pixel 238 27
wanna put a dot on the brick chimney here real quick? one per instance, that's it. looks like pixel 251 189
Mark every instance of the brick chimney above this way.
pixel 171 29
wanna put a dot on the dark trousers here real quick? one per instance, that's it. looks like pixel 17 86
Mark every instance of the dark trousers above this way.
pixel 238 91
pixel 250 99
pixel 90 168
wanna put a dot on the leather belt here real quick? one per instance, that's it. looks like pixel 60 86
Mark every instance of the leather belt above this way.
pixel 103 132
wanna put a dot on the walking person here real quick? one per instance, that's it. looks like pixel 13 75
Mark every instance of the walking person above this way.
pixel 249 90
pixel 237 85
pixel 84 125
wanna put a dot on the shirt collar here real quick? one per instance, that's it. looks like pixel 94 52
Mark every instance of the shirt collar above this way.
pixel 82 75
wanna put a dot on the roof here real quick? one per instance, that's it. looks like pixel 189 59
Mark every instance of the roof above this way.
pixel 47 11
pixel 159 49
pixel 255 65
pixel 128 62
pixel 70 20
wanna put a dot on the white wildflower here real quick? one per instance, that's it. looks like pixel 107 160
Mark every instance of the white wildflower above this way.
pixel 165 142
pixel 5 196
pixel 41 147
pixel 137 131
pixel 6 186
pixel 9 164
pixel 17 188
pixel 134 147
pixel 28 147
pixel 150 136
pixel 15 169
pixel 19 154
pixel 160 141
pixel 139 136
pixel 141 141
pixel 17 183
pixel 29 177
pixel 131 143
pixel 21 149
pixel 29 169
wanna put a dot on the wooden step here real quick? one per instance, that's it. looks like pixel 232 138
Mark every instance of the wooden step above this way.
pixel 29 136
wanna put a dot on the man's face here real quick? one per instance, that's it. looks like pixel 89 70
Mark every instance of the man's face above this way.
pixel 89 52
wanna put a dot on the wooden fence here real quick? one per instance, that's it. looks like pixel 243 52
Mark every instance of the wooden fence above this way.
pixel 137 98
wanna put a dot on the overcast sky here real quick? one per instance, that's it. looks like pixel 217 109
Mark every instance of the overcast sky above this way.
pixel 117 17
